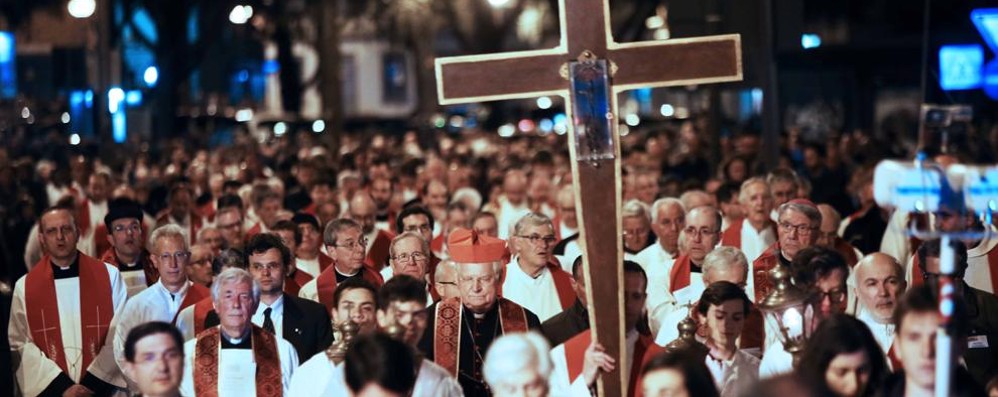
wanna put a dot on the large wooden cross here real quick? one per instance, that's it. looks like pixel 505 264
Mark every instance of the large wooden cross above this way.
pixel 589 69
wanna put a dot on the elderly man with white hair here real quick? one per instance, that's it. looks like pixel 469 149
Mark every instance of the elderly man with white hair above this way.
pixel 460 331
pixel 173 292
pixel 721 264
pixel 237 358
pixel 756 231
pixel 534 279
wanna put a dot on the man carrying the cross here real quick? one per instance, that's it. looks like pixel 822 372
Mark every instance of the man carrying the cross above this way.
pixel 57 333
pixel 460 331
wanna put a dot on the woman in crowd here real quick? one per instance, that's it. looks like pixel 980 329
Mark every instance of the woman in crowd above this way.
pixel 677 374
pixel 843 359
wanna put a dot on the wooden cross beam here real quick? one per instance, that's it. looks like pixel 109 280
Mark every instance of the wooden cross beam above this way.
pixel 585 38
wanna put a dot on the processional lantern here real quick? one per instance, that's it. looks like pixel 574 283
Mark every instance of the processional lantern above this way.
pixel 338 351
pixel 790 310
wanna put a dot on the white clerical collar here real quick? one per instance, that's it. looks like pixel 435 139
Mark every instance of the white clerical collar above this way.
pixel 346 275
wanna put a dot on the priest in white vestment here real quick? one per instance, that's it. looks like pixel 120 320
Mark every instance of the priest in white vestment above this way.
pixel 237 358
pixel 532 279
pixel 879 285
pixel 667 221
pixel 401 304
pixel 163 300
pixel 756 232
pixel 60 337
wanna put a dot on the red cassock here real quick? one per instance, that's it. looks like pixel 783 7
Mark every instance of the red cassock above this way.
pixel 377 255
pixel 575 351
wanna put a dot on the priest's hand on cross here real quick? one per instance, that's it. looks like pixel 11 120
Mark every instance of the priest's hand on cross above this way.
pixel 596 360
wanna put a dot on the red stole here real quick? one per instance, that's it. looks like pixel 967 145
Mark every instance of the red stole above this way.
pixel 893 360
pixel 437 244
pixel 732 236
pixel 679 275
pixel 42 308
pixel 201 310
pixel 325 284
pixel 447 331
pixel 377 256
pixel 293 284
pixel 152 275
pixel 562 284
pixel 195 293
pixel 760 271
pixel 324 262
pixel 268 371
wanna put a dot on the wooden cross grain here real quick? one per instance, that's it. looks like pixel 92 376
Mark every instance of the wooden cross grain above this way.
pixel 585 34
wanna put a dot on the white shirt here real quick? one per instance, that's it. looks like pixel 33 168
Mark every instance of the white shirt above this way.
pixel 537 294
pixel 565 230
pixel 559 383
pixel 755 242
pixel 656 263
pixel 320 377
pixel 36 371
pixel 310 266
pixel 276 315
pixel 155 303
pixel 882 332
pixel 235 362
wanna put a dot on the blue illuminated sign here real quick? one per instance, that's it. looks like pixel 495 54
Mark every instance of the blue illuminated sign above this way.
pixel 960 66
pixel 8 70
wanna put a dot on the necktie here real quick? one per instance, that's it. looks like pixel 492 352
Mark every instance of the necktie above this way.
pixel 268 324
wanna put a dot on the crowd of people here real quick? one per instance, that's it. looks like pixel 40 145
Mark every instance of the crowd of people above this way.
pixel 391 265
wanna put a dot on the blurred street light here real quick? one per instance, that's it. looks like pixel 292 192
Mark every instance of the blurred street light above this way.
pixel 81 8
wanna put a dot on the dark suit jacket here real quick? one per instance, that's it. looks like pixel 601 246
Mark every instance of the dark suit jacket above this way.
pixel 982 313
pixel 306 326
pixel 563 326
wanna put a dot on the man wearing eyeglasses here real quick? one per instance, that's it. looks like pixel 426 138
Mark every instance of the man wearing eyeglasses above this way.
pixel 533 280
pixel 127 252
pixel 409 255
pixel 62 315
pixel 797 229
pixel 346 244
pixel 822 272
pixel 303 323
pixel 684 280
pixel 168 296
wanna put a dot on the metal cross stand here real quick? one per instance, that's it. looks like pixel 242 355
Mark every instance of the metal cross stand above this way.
pixel 923 187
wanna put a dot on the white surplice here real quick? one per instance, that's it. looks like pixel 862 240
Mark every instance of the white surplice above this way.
pixel 657 262
pixel 135 281
pixel 36 371
pixel 537 294
pixel 559 383
pixel 883 332
pixel 156 303
pixel 755 242
pixel 310 266
pixel 776 361
pixel 320 377
pixel 238 364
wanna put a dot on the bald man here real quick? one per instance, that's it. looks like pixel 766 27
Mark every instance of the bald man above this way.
pixel 879 285
pixel 512 205
pixel 828 235
pixel 364 210
pixel 566 223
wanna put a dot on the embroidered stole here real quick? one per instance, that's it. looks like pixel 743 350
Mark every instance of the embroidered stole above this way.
pixel 447 332
pixel 268 363
pixel 42 308
pixel 201 310
pixel 761 267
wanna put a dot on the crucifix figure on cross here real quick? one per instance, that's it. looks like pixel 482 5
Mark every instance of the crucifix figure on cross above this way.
pixel 589 69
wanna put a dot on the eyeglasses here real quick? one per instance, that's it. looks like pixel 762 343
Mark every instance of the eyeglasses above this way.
pixel 265 266
pixel 179 256
pixel 537 240
pixel 802 230
pixel 362 244
pixel 702 232
pixel 134 228
pixel 834 296
pixel 415 256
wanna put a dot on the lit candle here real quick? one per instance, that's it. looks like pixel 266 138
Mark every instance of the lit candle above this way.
pixel 793 323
